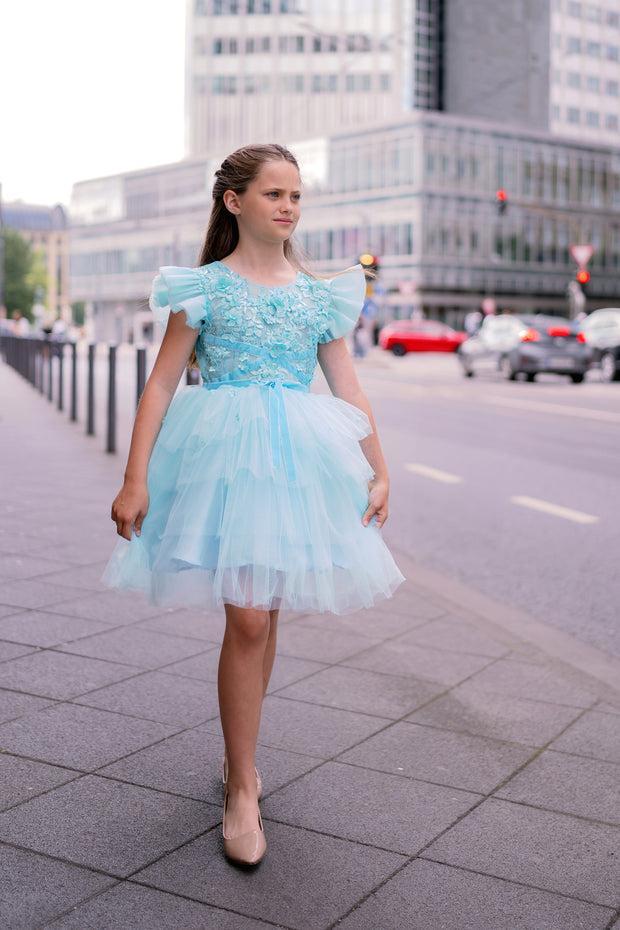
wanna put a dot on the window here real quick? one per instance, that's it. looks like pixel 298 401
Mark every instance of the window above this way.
pixel 593 49
pixel 592 118
pixel 612 19
pixel 573 45
pixel 573 115
pixel 573 79
pixel 611 121
pixel 611 88
pixel 593 84
pixel 555 111
pixel 574 9
pixel 611 52
pixel 594 14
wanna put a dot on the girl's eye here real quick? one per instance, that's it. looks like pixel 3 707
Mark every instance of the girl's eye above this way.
pixel 272 194
pixel 296 197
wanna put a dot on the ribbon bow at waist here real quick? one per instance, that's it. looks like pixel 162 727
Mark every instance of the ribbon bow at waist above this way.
pixel 279 433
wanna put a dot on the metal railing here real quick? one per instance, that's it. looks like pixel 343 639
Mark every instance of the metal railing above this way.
pixel 43 361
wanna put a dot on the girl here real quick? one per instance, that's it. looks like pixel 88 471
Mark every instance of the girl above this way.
pixel 253 493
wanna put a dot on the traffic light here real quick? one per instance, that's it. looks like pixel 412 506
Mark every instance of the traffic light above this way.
pixel 370 264
pixel 501 201
pixel 583 276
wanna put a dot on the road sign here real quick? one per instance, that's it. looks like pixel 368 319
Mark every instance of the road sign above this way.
pixel 582 254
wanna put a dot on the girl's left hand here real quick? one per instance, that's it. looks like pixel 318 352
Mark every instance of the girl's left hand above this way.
pixel 378 490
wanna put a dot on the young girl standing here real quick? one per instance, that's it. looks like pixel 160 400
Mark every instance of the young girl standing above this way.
pixel 249 491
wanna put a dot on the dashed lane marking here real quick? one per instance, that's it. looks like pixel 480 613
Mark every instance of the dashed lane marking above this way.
pixel 433 473
pixel 577 516
pixel 586 413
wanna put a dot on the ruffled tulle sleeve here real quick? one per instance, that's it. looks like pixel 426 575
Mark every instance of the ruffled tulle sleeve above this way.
pixel 179 289
pixel 347 292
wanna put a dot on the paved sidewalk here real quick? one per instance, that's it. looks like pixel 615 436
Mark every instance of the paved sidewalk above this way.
pixel 425 767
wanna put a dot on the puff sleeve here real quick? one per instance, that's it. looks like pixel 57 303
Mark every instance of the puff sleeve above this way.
pixel 179 289
pixel 347 292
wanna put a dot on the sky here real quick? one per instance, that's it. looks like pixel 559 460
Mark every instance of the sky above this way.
pixel 86 90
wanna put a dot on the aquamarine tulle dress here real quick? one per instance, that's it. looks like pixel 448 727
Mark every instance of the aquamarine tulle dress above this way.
pixel 257 487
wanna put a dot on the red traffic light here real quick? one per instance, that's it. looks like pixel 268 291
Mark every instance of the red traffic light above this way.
pixel 583 276
pixel 501 195
pixel 501 199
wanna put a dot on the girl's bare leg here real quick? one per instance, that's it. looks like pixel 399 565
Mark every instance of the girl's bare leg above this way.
pixel 245 661
pixel 270 651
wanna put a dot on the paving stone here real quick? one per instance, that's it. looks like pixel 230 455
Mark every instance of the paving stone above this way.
pixel 396 658
pixel 36 593
pixel 533 681
pixel 86 576
pixel 569 784
pixel 38 628
pixel 429 896
pixel 190 764
pixel 106 825
pixel 77 737
pixel 551 851
pixel 59 675
pixel 469 762
pixel 470 709
pixel 196 624
pixel 408 603
pixel 21 779
pixel 596 735
pixel 381 810
pixel 36 889
pixel 10 651
pixel 316 731
pixel 367 692
pixel 13 704
pixel 306 880
pixel 136 908
pixel 202 666
pixel 287 670
pixel 322 645
pixel 136 647
pixel 455 636
pixel 109 607
pixel 370 622
pixel 14 567
pixel 155 696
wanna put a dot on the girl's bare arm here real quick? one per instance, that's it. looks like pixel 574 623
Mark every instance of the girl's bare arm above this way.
pixel 341 377
pixel 132 502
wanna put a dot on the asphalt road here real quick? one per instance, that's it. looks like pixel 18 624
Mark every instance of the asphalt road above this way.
pixel 512 488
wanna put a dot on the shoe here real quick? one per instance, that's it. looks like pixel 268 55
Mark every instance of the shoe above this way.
pixel 259 784
pixel 247 849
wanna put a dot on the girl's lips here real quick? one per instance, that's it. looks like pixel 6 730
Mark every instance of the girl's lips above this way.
pixel 286 222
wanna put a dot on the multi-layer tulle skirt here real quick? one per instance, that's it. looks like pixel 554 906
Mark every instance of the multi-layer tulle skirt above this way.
pixel 256 498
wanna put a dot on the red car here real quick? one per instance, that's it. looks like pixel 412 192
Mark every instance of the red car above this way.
pixel 402 336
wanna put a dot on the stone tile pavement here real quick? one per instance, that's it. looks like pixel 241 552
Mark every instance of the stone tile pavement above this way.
pixel 436 762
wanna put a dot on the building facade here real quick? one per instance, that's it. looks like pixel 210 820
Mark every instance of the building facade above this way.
pixel 418 192
pixel 264 70
pixel 46 231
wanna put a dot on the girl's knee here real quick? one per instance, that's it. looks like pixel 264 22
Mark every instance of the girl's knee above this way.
pixel 248 624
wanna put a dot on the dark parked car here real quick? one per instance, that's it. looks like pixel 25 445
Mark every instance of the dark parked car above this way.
pixel 602 333
pixel 526 345
pixel 402 336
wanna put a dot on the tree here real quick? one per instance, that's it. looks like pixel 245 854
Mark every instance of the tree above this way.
pixel 21 273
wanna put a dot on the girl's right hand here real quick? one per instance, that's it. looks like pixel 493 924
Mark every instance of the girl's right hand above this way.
pixel 130 508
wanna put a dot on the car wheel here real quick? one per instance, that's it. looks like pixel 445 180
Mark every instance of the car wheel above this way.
pixel 577 379
pixel 609 367
pixel 530 375
pixel 505 366
pixel 398 349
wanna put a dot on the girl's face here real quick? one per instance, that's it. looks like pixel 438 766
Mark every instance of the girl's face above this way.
pixel 269 209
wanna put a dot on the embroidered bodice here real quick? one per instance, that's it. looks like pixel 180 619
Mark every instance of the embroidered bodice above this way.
pixel 250 332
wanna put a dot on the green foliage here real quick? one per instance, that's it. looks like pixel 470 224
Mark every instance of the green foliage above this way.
pixel 20 273
pixel 78 311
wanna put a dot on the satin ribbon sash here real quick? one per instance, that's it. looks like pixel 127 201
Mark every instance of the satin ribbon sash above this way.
pixel 279 432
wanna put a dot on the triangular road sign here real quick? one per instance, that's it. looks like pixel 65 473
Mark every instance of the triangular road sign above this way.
pixel 582 254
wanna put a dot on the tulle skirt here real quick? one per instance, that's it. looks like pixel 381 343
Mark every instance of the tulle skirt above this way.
pixel 256 498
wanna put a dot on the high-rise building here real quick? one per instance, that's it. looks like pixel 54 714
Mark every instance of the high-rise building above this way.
pixel 273 70
pixel 259 70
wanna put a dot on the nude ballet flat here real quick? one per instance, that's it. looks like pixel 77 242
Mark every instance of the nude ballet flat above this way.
pixel 259 784
pixel 247 849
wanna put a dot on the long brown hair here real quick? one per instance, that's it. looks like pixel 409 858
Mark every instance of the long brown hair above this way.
pixel 235 174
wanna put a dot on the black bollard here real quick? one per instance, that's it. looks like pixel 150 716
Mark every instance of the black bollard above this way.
pixel 73 382
pixel 140 373
pixel 61 387
pixel 90 415
pixel 111 443
pixel 50 371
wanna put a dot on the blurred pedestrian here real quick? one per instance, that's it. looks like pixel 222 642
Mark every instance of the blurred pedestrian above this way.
pixel 252 492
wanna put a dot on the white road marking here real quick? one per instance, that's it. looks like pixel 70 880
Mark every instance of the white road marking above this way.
pixel 433 473
pixel 577 516
pixel 567 411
